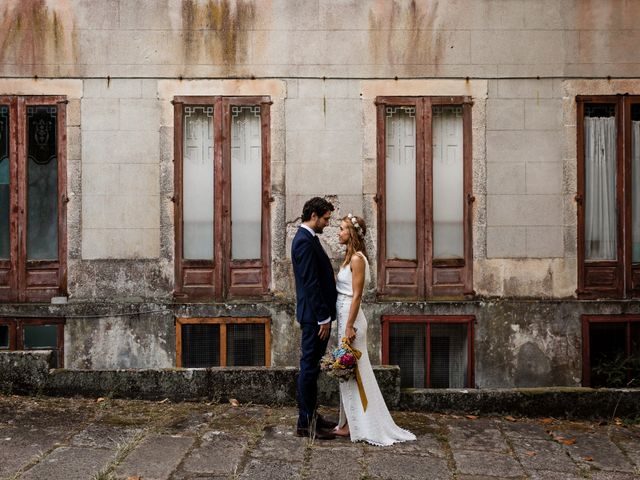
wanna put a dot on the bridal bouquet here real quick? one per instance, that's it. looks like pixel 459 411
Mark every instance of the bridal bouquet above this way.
pixel 341 362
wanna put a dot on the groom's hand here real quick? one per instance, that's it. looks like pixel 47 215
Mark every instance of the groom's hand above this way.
pixel 324 331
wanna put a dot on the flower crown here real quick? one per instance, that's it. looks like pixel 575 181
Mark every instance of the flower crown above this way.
pixel 356 225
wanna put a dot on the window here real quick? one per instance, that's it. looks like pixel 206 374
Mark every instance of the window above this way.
pixel 222 196
pixel 611 351
pixel 424 196
pixel 223 342
pixel 32 198
pixel 432 352
pixel 608 196
pixel 34 334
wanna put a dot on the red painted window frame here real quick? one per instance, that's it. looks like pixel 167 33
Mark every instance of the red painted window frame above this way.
pixel 16 336
pixel 222 278
pixel 424 278
pixel 429 320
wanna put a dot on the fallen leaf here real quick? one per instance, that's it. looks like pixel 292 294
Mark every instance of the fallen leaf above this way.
pixel 546 421
pixel 617 421
pixel 588 458
pixel 530 453
pixel 100 399
pixel 509 418
pixel 134 478
pixel 567 441
pixel 472 417
pixel 234 402
pixel 164 401
pixel 455 416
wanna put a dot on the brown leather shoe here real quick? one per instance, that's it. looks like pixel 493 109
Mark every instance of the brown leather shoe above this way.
pixel 325 423
pixel 319 433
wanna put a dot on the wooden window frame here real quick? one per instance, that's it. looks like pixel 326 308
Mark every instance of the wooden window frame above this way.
pixel 608 278
pixel 222 278
pixel 23 280
pixel 16 334
pixel 223 322
pixel 429 320
pixel 587 320
pixel 424 278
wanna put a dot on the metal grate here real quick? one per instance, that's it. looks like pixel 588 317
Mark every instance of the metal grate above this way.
pixel 448 355
pixel 407 349
pixel 599 110
pixel 200 345
pixel 245 345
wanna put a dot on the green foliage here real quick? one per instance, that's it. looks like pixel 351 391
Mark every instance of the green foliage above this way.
pixel 618 370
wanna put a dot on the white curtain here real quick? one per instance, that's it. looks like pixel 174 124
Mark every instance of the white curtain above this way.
pixel 635 191
pixel 600 201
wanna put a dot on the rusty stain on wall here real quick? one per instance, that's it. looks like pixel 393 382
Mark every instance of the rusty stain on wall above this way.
pixel 216 31
pixel 33 33
pixel 402 34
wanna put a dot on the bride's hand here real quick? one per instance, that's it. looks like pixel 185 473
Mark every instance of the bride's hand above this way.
pixel 350 333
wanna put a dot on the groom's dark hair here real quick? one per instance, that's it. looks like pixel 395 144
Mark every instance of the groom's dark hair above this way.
pixel 317 205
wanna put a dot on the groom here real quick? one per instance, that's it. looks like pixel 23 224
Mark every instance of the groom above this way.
pixel 316 309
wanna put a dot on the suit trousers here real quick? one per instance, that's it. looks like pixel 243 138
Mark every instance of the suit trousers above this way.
pixel 313 348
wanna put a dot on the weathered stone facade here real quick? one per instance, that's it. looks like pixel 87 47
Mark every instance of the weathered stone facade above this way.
pixel 120 63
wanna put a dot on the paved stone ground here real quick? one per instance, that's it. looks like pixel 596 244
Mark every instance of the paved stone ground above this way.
pixel 53 438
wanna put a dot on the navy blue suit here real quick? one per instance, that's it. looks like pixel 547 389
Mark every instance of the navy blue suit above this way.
pixel 316 301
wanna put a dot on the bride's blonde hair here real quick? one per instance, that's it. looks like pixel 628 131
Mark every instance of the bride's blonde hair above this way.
pixel 356 243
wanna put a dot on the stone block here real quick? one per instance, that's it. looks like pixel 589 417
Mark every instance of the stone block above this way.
pixel 514 47
pixel 273 47
pixel 97 214
pixel 305 114
pixel 100 114
pixel 120 147
pixel 506 242
pixel 100 179
pixel 112 88
pixel 613 47
pixel 505 178
pixel 327 179
pixel 139 114
pixel 71 462
pixel 97 16
pixel 544 177
pixel 524 210
pixel 150 88
pixel 545 242
pixel 525 88
pixel 344 115
pixel 120 243
pixel 74 143
pixel 145 462
pixel 139 211
pixel 524 145
pixel 324 148
pixel 543 114
pixel 142 179
pixel 73 113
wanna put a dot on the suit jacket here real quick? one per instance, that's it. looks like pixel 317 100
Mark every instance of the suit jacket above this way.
pixel 315 285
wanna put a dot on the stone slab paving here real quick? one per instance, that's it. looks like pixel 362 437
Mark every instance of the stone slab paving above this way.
pixel 104 439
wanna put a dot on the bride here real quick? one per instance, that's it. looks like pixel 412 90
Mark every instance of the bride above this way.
pixel 373 425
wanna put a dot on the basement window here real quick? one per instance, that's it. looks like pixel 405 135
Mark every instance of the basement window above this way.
pixel 34 334
pixel 432 352
pixel 223 342
pixel 611 351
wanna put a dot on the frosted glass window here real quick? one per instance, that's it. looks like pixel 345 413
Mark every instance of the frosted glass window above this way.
pixel 42 178
pixel 246 183
pixel 4 182
pixel 600 185
pixel 448 183
pixel 448 344
pixel 400 176
pixel 635 188
pixel 197 190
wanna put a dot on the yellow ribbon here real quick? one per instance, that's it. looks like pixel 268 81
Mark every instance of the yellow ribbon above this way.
pixel 358 354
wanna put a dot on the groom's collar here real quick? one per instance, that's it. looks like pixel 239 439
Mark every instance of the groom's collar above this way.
pixel 308 229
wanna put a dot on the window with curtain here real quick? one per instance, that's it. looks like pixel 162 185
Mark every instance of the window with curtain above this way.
pixel 424 196
pixel 608 198
pixel 222 196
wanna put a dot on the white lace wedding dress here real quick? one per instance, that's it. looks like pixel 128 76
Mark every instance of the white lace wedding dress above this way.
pixel 374 426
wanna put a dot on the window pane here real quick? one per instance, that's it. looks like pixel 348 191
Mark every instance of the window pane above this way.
pixel 407 349
pixel 245 345
pixel 200 345
pixel 400 178
pixel 246 183
pixel 4 182
pixel 635 183
pixel 600 184
pixel 42 177
pixel 4 336
pixel 607 350
pixel 448 355
pixel 40 336
pixel 634 361
pixel 197 183
pixel 448 185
